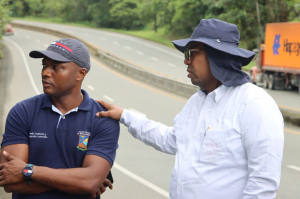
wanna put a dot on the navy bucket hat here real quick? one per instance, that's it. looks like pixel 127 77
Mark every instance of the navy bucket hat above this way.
pixel 219 35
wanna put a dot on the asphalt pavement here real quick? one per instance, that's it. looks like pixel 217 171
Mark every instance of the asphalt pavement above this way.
pixel 148 55
pixel 139 171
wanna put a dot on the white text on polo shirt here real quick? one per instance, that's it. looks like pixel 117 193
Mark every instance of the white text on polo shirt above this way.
pixel 37 135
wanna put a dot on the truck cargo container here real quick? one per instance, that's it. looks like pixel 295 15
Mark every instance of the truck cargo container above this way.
pixel 278 63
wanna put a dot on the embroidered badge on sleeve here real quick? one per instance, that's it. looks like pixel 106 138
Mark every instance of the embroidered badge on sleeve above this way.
pixel 83 140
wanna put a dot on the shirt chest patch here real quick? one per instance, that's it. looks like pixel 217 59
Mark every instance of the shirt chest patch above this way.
pixel 37 135
pixel 83 139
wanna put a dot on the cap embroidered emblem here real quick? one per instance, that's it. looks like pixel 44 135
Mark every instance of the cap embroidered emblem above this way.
pixel 62 45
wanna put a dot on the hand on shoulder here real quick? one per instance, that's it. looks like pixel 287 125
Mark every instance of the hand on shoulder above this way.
pixel 113 112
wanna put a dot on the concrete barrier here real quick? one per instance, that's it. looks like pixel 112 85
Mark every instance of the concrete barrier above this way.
pixel 142 74
pixel 122 66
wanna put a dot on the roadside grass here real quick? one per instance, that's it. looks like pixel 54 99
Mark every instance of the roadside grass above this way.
pixel 1 47
pixel 158 36
pixel 147 33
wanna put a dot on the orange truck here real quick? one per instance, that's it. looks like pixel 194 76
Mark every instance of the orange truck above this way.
pixel 278 63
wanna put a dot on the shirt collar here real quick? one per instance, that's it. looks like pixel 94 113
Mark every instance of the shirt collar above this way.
pixel 201 93
pixel 85 104
pixel 218 92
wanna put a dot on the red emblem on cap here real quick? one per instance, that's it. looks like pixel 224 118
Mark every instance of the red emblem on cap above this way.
pixel 65 47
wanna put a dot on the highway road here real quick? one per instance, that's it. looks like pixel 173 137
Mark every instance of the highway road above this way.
pixel 151 56
pixel 146 54
pixel 140 172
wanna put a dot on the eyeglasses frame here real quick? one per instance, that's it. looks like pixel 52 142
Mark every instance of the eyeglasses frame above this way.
pixel 187 53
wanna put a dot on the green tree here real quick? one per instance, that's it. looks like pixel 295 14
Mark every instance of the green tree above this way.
pixel 36 7
pixel 183 16
pixel 100 14
pixel 4 13
pixel 243 14
pixel 53 8
pixel 17 7
pixel 125 14
pixel 152 11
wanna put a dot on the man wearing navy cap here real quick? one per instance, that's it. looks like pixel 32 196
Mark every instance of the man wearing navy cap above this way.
pixel 228 138
pixel 54 146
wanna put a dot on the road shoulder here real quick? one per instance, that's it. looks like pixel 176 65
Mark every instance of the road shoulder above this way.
pixel 3 79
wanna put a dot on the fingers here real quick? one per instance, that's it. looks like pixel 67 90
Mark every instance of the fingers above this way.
pixel 103 103
pixel 102 189
pixel 2 183
pixel 113 112
pixel 98 193
pixel 8 156
pixel 108 183
pixel 103 114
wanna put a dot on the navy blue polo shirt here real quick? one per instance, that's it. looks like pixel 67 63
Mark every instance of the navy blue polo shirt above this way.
pixel 58 141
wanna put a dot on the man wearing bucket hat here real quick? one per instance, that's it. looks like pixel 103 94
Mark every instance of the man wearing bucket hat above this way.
pixel 228 138
pixel 54 146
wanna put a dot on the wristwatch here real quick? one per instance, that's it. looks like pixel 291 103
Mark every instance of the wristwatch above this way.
pixel 27 172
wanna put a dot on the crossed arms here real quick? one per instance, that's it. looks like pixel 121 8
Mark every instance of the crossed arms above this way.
pixel 91 175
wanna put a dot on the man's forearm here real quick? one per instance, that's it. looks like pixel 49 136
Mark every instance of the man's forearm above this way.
pixel 150 132
pixel 24 187
pixel 75 180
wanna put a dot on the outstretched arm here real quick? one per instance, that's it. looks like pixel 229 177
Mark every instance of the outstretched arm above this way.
pixel 152 133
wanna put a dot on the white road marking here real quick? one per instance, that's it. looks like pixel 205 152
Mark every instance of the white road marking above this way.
pixel 70 31
pixel 26 65
pixel 86 34
pixel 116 166
pixel 293 167
pixel 27 37
pixel 127 47
pixel 172 65
pixel 139 52
pixel 154 58
pixel 116 43
pixel 140 41
pixel 90 87
pixel 131 109
pixel 37 40
pixel 46 45
pixel 108 98
pixel 142 181
pixel 102 38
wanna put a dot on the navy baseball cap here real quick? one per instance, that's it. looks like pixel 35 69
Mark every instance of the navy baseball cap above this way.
pixel 66 50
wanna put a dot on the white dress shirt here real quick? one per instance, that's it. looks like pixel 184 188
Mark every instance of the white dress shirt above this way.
pixel 228 144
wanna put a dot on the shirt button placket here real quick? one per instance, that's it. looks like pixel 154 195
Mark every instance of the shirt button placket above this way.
pixel 178 189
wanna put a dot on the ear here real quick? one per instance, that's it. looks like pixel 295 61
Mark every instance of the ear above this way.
pixel 81 74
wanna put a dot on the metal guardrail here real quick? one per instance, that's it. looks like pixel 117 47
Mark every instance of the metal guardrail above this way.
pixel 122 66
